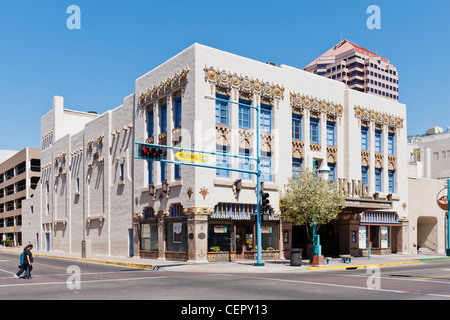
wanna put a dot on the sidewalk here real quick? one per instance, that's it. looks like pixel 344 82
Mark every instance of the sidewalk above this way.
pixel 245 266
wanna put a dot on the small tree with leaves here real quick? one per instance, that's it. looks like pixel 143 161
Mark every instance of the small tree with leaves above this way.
pixel 309 199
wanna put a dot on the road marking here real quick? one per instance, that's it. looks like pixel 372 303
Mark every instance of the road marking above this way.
pixel 351 287
pixel 7 271
pixel 82 282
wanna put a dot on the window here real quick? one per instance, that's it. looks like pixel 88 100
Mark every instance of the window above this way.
pixel 332 174
pixel 364 175
pixel 266 118
pixel 150 124
pixel 245 115
pixel 378 179
pixel 244 164
pixel 391 145
pixel 177 112
pixel 222 109
pixel 222 161
pixel 296 164
pixel 177 172
pixel 314 130
pixel 163 118
pixel 149 237
pixel 378 141
pixel 266 166
pixel 330 133
pixel 391 176
pixel 150 172
pixel 364 138
pixel 296 126
pixel 122 177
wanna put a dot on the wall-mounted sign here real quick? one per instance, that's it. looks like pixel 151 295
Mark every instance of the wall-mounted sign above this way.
pixel 442 199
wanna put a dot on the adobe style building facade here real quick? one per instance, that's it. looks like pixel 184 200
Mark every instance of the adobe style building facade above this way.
pixel 94 197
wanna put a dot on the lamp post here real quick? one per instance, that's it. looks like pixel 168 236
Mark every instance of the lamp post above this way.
pixel 324 172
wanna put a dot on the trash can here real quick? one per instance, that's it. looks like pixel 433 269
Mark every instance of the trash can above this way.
pixel 296 257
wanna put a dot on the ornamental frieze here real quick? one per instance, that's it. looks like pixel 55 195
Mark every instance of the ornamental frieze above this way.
pixel 300 103
pixel 165 87
pixel 243 84
pixel 378 117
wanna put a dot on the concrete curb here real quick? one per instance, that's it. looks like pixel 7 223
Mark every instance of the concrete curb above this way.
pixel 363 266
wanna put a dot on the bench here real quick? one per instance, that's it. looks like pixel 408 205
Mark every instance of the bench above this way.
pixel 346 258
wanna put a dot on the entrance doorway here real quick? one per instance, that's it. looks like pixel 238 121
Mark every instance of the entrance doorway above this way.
pixel 244 239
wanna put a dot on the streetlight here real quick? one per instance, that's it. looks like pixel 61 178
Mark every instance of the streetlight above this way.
pixel 258 263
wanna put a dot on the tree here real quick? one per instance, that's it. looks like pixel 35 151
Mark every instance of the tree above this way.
pixel 310 200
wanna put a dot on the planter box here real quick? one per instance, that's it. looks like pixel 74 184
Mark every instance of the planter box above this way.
pixel 265 255
pixel 221 256
pixel 375 251
pixel 149 254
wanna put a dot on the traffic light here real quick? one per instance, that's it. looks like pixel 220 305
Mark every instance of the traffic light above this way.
pixel 151 152
pixel 264 202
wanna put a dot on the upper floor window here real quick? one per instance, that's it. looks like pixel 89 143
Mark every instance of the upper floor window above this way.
pixel 378 179
pixel 163 118
pixel 222 109
pixel 245 164
pixel 266 166
pixel 245 119
pixel 331 133
pixel 266 118
pixel 177 112
pixel 378 141
pixel 391 143
pixel 314 130
pixel 364 138
pixel 296 126
pixel 222 161
pixel 391 176
pixel 150 123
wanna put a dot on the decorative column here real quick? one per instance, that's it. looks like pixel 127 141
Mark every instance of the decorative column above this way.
pixel 197 225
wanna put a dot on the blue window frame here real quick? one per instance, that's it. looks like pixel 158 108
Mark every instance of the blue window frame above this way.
pixel 150 172
pixel 364 175
pixel 245 116
pixel 266 118
pixel 314 130
pixel 391 176
pixel 378 179
pixel 364 138
pixel 296 126
pixel 150 124
pixel 222 161
pixel 332 174
pixel 391 143
pixel 163 118
pixel 177 112
pixel 296 164
pixel 163 172
pixel 331 125
pixel 177 170
pixel 222 110
pixel 378 141
pixel 245 164
pixel 266 166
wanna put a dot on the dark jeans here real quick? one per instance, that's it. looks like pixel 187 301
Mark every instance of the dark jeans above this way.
pixel 28 269
pixel 21 270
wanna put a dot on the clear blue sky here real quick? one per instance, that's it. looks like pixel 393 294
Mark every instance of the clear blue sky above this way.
pixel 95 68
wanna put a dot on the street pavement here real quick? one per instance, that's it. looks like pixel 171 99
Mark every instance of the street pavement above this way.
pixel 247 266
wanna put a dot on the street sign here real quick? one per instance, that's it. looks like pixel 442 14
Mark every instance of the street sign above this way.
pixel 442 199
pixel 193 157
